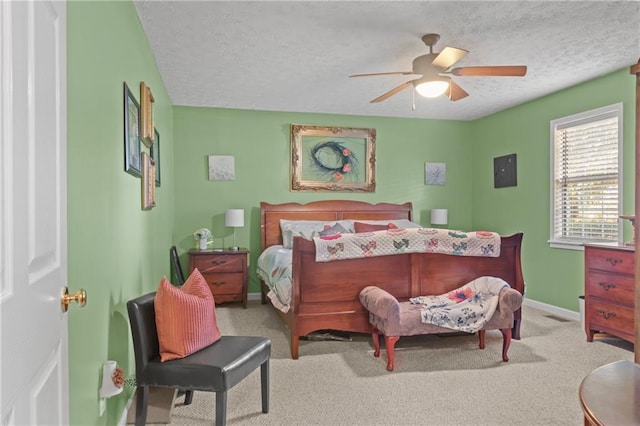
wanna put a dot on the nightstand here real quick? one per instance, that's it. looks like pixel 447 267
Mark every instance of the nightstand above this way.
pixel 225 272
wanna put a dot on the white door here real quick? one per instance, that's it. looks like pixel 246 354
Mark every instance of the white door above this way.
pixel 33 211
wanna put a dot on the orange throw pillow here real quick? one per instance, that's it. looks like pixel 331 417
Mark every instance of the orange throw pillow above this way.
pixel 185 317
pixel 369 227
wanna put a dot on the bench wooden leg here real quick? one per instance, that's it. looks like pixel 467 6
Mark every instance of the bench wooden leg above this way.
pixel 390 342
pixel 506 342
pixel 376 342
pixel 481 335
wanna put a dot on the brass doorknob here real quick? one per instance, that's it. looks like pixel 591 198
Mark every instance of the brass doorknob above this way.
pixel 79 296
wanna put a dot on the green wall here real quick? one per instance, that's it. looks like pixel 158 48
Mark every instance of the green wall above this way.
pixel 260 143
pixel 116 251
pixel 553 276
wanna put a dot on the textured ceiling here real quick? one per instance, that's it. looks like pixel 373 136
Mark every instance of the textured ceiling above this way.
pixel 297 56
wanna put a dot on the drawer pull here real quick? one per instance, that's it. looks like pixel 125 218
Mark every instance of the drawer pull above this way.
pixel 218 262
pixel 613 261
pixel 219 283
pixel 606 286
pixel 606 315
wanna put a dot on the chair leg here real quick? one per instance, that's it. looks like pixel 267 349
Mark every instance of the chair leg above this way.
pixel 390 343
pixel 481 335
pixel 221 408
pixel 142 398
pixel 506 342
pixel 376 342
pixel 264 385
pixel 188 397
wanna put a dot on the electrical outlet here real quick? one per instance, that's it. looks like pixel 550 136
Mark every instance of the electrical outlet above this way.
pixel 102 405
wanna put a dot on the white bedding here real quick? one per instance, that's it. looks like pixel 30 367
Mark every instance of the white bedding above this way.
pixel 274 268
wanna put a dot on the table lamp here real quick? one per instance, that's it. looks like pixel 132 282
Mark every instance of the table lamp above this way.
pixel 234 218
pixel 439 216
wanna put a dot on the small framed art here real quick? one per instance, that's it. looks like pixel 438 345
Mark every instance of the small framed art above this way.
pixel 435 173
pixel 222 167
pixel 131 133
pixel 146 115
pixel 154 151
pixel 148 182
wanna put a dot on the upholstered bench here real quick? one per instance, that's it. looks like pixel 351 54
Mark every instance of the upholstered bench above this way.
pixel 394 319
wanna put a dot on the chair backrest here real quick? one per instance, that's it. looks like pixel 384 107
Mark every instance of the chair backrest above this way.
pixel 175 263
pixel 142 318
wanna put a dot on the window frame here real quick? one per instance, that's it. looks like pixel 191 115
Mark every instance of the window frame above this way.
pixel 602 113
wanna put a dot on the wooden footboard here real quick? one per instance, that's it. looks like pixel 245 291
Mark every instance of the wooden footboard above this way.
pixel 325 295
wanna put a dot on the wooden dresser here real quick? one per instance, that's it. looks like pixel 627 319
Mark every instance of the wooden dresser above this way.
pixel 609 290
pixel 225 272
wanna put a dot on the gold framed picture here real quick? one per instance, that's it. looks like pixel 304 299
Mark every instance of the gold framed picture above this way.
pixel 148 182
pixel 146 115
pixel 340 159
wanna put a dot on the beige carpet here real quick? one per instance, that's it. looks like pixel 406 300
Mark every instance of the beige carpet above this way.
pixel 437 380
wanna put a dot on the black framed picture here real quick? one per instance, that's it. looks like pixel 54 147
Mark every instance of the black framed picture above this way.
pixel 155 154
pixel 131 133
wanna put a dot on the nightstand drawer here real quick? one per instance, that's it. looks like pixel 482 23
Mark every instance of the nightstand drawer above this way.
pixel 228 283
pixel 610 317
pixel 219 263
pixel 612 288
pixel 619 261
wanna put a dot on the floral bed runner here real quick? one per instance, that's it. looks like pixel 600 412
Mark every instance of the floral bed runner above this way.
pixel 414 240
pixel 467 308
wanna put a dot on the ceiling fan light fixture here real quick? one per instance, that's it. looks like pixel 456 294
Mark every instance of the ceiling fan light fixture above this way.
pixel 432 88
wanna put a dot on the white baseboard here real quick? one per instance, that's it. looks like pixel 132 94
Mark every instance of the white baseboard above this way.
pixel 254 296
pixel 555 310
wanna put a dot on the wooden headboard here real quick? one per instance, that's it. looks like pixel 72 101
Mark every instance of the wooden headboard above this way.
pixel 270 214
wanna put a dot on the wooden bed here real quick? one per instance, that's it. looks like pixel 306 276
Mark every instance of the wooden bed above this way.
pixel 325 294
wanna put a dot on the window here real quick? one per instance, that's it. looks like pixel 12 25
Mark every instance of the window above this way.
pixel 586 184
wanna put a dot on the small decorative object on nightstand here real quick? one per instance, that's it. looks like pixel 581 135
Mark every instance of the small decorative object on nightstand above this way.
pixel 202 236
pixel 225 272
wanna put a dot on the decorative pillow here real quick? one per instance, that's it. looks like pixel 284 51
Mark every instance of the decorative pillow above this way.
pixel 333 230
pixel 185 317
pixel 307 229
pixel 368 227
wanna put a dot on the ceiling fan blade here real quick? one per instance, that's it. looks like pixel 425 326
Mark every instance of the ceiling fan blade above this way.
pixel 392 92
pixel 456 92
pixel 449 56
pixel 383 73
pixel 497 71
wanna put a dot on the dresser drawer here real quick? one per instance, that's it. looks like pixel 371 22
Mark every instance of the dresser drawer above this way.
pixel 618 261
pixel 218 263
pixel 224 283
pixel 609 317
pixel 611 287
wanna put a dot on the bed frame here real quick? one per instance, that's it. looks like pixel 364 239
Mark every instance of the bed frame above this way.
pixel 326 294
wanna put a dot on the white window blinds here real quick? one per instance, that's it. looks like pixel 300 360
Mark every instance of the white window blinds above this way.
pixel 587 177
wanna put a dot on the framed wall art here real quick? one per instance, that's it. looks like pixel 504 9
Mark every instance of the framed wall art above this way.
pixel 340 159
pixel 435 173
pixel 222 167
pixel 146 115
pixel 131 133
pixel 154 151
pixel 148 182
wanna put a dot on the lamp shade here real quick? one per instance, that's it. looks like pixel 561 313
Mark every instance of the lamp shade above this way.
pixel 439 216
pixel 234 218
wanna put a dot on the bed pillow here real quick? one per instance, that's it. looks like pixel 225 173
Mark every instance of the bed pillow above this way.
pixel 185 317
pixel 370 227
pixel 400 223
pixel 334 230
pixel 307 229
